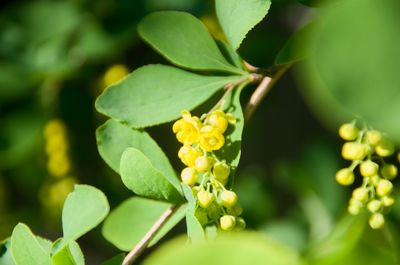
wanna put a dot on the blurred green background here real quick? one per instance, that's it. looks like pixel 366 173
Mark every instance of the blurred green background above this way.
pixel 57 56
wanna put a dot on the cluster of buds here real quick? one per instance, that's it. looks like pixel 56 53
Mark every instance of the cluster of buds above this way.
pixel 53 193
pixel 367 149
pixel 205 172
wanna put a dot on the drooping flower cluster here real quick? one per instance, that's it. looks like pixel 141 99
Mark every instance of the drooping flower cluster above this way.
pixel 205 172
pixel 367 150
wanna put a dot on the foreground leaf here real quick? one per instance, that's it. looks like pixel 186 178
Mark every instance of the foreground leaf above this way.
pixel 232 249
pixel 113 138
pixel 130 221
pixel 184 40
pixel 68 254
pixel 195 230
pixel 139 97
pixel 140 176
pixel 26 249
pixel 237 17
pixel 84 209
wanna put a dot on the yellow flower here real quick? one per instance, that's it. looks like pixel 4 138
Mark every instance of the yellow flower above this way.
pixel 188 155
pixel 211 138
pixel 218 119
pixel 187 129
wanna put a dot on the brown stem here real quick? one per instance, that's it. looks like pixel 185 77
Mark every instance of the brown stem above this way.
pixel 144 242
pixel 261 91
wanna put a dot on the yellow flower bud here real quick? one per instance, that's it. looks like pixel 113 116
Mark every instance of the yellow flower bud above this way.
pixel 228 198
pixel 374 206
pixel 360 194
pixel 227 222
pixel 53 127
pixel 211 139
pixel 58 165
pixel 221 171
pixel 384 187
pixel 384 148
pixel 348 131
pixel 376 221
pixel 345 176
pixel 205 198
pixel 373 137
pixel 355 207
pixel 354 151
pixel 235 210
pixel 368 168
pixel 389 171
pixel 114 74
pixel 387 201
pixel 218 119
pixel 187 129
pixel 203 163
pixel 189 176
pixel 188 155
pixel 374 180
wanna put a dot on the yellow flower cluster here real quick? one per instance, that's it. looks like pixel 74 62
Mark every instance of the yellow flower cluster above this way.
pixel 367 150
pixel 53 194
pixel 205 172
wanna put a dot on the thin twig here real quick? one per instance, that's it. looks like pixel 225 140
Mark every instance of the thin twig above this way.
pixel 261 91
pixel 142 245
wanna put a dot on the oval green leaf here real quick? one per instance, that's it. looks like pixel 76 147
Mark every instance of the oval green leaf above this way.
pixel 139 97
pixel 141 177
pixel 237 17
pixel 84 209
pixel 184 40
pixel 26 249
pixel 130 221
pixel 113 138
pixel 232 249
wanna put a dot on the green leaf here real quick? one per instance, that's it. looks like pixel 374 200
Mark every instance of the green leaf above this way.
pixel 184 40
pixel 230 54
pixel 232 249
pixel 116 260
pixel 233 135
pixel 132 219
pixel 113 138
pixel 195 230
pixel 84 209
pixel 69 254
pixel 237 17
pixel 351 74
pixel 139 97
pixel 339 243
pixel 5 253
pixel 296 48
pixel 26 249
pixel 140 176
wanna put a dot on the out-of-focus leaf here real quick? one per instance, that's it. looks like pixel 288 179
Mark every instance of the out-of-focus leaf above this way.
pixel 237 17
pixel 83 210
pixel 187 44
pixel 139 97
pixel 233 249
pixel 26 249
pixel 140 176
pixel 287 232
pixel 5 253
pixel 195 230
pixel 296 48
pixel 353 70
pixel 67 254
pixel 116 260
pixel 113 138
pixel 20 133
pixel 339 243
pixel 131 220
